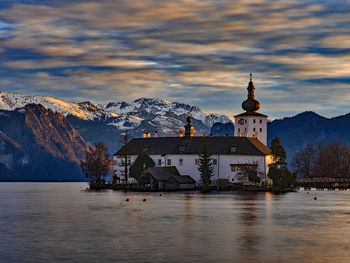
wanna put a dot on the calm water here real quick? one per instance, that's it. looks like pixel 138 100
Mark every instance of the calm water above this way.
pixel 61 222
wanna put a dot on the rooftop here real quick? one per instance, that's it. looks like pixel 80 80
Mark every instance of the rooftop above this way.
pixel 193 145
pixel 165 173
pixel 257 114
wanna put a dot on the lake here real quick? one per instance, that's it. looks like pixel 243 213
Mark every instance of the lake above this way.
pixel 62 222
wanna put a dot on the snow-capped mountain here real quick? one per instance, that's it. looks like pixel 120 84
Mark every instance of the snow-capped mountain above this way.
pixel 148 108
pixel 122 115
pixel 107 122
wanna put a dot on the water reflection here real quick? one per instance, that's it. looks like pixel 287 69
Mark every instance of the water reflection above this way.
pixel 248 219
pixel 61 223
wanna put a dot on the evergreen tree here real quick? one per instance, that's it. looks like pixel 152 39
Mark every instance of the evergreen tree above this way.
pixel 278 152
pixel 142 162
pixel 282 178
pixel 97 163
pixel 205 167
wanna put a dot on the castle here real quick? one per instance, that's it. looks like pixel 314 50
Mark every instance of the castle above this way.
pixel 230 154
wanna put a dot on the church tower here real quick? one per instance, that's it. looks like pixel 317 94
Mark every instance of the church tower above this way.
pixel 251 123
pixel 189 127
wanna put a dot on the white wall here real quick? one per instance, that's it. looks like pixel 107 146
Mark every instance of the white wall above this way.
pixel 247 128
pixel 222 170
pixel 268 160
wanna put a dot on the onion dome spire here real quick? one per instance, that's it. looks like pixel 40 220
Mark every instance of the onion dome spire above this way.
pixel 189 118
pixel 189 127
pixel 251 104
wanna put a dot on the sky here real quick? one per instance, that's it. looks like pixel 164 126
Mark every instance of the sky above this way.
pixel 194 51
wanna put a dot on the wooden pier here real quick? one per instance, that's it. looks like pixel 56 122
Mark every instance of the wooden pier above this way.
pixel 324 183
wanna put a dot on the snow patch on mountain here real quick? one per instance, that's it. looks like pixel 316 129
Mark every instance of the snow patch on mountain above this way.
pixel 124 122
pixel 86 110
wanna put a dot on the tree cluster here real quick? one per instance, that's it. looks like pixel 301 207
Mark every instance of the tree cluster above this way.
pixel 323 160
pixel 282 178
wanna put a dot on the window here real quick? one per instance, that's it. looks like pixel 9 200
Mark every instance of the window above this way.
pixel 181 162
pixel 241 121
pixel 245 121
pixel 233 168
pixel 215 162
pixel 196 161
pixel 239 130
pixel 233 148
pixel 182 149
pixel 253 120
pixel 123 162
pixel 260 121
pixel 260 129
pixel 159 162
pixel 245 129
pixel 169 161
pixel 253 129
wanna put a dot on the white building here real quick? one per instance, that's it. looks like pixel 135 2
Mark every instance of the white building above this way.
pixel 229 153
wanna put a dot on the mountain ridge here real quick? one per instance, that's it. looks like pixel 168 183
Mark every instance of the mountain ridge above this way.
pixel 37 144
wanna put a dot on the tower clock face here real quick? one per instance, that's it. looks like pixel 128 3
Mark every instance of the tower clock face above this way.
pixel 241 121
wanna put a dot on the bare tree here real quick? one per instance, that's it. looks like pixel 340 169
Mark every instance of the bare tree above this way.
pixel 303 161
pixel 97 163
pixel 333 160
pixel 248 172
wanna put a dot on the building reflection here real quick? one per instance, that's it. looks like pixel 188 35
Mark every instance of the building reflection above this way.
pixel 188 214
pixel 189 244
pixel 250 236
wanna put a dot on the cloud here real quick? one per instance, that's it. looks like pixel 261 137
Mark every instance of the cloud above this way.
pixel 193 51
